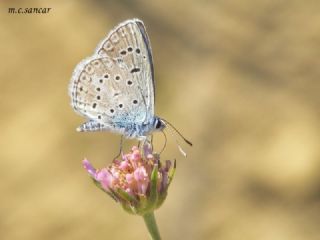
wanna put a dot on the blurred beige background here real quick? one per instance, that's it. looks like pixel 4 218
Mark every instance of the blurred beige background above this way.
pixel 239 78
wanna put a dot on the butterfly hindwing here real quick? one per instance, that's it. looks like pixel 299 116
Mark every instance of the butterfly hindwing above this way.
pixel 106 93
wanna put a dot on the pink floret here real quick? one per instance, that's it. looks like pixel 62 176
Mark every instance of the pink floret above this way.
pixel 90 169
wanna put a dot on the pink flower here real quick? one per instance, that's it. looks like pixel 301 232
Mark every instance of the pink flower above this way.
pixel 138 181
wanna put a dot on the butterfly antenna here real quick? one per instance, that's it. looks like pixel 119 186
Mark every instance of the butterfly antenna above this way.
pixel 187 141
pixel 176 130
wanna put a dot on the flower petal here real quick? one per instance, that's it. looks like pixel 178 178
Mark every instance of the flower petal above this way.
pixel 90 169
pixel 105 178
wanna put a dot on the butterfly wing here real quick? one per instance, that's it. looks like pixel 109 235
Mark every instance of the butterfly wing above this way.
pixel 115 87
pixel 129 43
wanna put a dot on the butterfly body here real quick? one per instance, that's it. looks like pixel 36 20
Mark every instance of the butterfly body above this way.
pixel 114 88
pixel 129 130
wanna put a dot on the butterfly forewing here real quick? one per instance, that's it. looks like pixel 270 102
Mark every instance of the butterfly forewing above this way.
pixel 129 44
pixel 115 85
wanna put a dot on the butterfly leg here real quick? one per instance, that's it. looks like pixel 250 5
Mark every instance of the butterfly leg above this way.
pixel 151 141
pixel 165 142
pixel 120 149
pixel 148 141
pixel 145 143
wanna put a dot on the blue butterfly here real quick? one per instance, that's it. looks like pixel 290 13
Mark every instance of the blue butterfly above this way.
pixel 114 88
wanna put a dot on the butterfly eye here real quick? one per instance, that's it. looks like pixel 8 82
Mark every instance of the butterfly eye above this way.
pixel 106 76
pixel 117 77
pixel 158 125
pixel 112 110
pixel 129 82
pixel 138 50
pixel 123 52
pixel 120 105
pixel 135 101
pixel 130 49
pixel 94 105
pixel 98 97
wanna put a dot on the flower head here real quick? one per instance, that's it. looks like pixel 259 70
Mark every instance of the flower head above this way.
pixel 138 181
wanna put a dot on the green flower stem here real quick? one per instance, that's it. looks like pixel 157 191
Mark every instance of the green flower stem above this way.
pixel 150 221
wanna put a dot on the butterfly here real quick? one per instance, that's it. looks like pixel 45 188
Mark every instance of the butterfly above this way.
pixel 114 88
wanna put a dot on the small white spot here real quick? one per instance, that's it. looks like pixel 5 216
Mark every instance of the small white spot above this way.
pixel 115 38
pixel 108 46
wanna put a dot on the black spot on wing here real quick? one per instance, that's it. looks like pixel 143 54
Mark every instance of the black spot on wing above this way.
pixel 134 70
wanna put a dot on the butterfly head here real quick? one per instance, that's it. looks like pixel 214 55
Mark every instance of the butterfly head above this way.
pixel 158 124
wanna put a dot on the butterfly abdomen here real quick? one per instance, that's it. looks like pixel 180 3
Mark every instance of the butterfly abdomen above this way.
pixel 92 126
